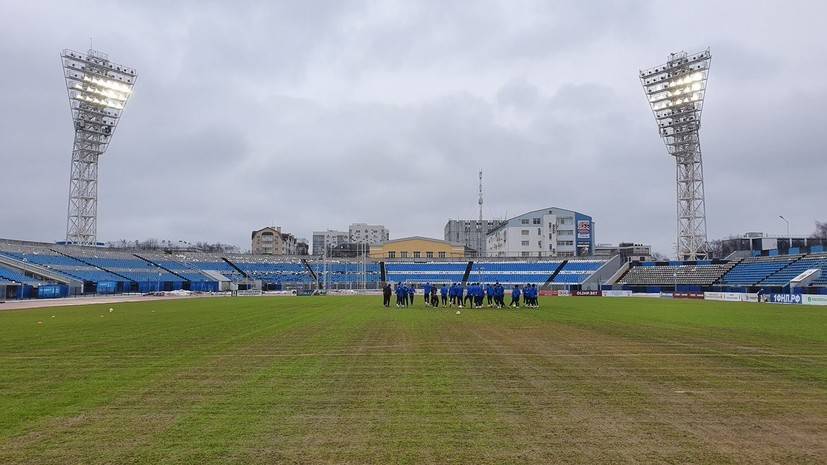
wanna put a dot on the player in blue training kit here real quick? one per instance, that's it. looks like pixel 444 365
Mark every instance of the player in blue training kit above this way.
pixel 426 291
pixel 499 295
pixel 480 295
pixel 489 294
pixel 534 293
pixel 472 294
pixel 443 292
pixel 466 290
pixel 400 291
pixel 515 296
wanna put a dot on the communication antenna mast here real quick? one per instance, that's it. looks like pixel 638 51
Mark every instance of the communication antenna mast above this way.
pixel 481 242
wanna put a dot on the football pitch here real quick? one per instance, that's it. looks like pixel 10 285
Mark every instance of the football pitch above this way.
pixel 336 380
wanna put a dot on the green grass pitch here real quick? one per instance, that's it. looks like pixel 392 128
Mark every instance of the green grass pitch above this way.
pixel 343 380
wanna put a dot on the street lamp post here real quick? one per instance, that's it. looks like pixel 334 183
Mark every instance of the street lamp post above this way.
pixel 789 238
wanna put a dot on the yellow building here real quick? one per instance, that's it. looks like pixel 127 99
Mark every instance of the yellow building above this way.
pixel 417 247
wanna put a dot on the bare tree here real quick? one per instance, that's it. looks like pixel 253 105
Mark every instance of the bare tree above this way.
pixel 168 245
pixel 821 230
pixel 716 248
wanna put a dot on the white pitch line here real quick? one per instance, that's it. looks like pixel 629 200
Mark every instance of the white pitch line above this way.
pixel 364 354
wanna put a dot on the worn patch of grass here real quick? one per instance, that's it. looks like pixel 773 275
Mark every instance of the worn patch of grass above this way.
pixel 343 380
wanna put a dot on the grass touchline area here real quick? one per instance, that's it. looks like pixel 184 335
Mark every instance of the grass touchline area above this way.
pixel 344 380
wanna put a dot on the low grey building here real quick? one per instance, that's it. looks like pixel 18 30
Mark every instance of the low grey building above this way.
pixel 627 250
pixel 329 238
pixel 471 233
pixel 301 247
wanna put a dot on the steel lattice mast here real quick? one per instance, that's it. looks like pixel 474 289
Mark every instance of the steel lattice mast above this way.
pixel 98 91
pixel 675 91
pixel 482 228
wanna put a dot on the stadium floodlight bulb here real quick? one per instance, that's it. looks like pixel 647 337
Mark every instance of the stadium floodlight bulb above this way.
pixel 675 91
pixel 98 92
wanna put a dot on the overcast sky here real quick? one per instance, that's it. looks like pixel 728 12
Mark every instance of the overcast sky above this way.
pixel 315 114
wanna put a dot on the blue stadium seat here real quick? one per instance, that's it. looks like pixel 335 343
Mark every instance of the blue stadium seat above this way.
pixel 15 276
pixel 783 276
pixel 752 271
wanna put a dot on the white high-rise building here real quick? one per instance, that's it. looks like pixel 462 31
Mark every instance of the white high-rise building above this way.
pixel 371 234
pixel 550 232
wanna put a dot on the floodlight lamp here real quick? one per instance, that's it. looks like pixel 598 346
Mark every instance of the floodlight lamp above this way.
pixel 98 91
pixel 675 91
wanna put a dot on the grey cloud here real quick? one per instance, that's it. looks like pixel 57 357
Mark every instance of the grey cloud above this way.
pixel 314 115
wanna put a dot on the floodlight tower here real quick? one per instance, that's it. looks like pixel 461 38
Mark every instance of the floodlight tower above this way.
pixel 98 90
pixel 675 91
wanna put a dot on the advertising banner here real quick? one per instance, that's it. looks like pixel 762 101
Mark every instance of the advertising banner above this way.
pixel 814 299
pixel 731 296
pixel 655 295
pixel 688 295
pixel 584 229
pixel 248 292
pixel 563 293
pixel 785 299
pixel 714 295
pixel 548 293
pixel 586 293
pixel 618 293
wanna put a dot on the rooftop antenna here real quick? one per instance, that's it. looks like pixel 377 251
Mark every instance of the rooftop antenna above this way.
pixel 481 225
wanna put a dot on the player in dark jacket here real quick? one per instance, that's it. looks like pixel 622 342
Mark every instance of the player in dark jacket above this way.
pixel 386 295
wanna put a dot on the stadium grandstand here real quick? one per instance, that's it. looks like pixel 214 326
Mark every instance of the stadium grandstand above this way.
pixel 74 270
pixel 751 274
pixel 39 270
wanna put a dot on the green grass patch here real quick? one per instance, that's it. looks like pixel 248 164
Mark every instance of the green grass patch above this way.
pixel 343 380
